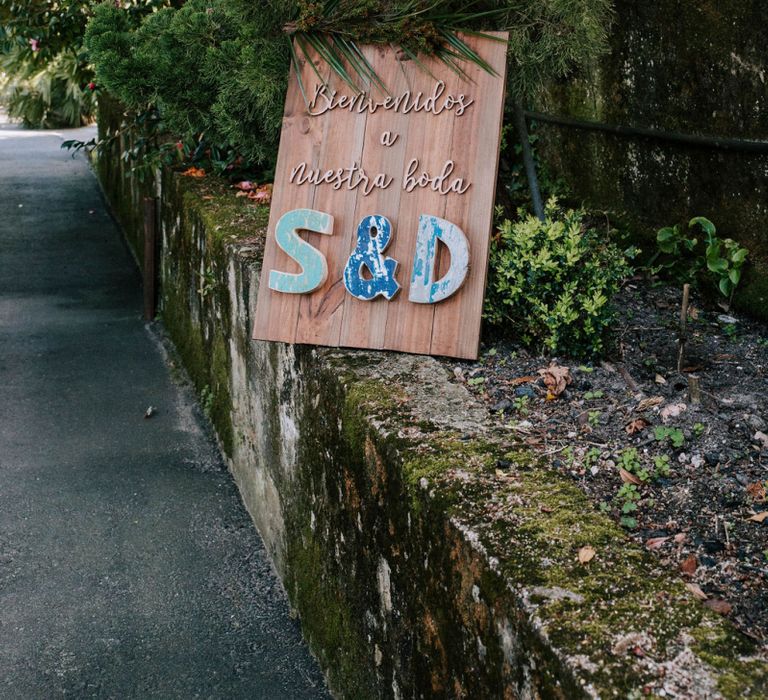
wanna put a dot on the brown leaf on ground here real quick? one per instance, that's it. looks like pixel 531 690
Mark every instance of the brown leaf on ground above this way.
pixel 719 606
pixel 521 380
pixel 636 426
pixel 655 542
pixel 672 410
pixel 556 378
pixel 645 404
pixel 756 491
pixel 194 172
pixel 263 195
pixel 586 554
pixel 659 379
pixel 245 185
pixel 759 517
pixel 690 565
pixel 629 478
pixel 697 592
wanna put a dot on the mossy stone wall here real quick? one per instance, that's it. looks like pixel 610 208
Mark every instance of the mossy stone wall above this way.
pixel 124 191
pixel 696 67
pixel 425 554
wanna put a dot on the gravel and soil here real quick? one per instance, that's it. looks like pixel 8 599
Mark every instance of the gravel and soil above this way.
pixel 684 471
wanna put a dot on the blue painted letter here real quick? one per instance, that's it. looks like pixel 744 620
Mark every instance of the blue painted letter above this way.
pixel 314 266
pixel 424 289
pixel 373 237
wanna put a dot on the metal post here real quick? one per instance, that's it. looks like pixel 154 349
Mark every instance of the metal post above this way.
pixel 150 259
pixel 530 166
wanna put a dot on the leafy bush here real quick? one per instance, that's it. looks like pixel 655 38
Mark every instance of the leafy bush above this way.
pixel 683 259
pixel 220 67
pixel 551 283
pixel 53 96
pixel 45 79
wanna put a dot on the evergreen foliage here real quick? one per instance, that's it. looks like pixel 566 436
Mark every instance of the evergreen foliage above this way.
pixel 551 283
pixel 44 75
pixel 220 67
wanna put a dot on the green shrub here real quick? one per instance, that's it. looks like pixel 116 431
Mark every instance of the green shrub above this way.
pixel 220 67
pixel 51 95
pixel 551 283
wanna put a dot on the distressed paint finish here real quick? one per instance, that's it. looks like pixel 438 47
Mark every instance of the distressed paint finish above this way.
pixel 314 267
pixel 373 236
pixel 424 288
pixel 453 177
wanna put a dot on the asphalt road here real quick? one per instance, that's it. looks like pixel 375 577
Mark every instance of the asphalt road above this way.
pixel 128 566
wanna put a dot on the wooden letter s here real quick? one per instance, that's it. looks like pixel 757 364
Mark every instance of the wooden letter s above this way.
pixel 314 266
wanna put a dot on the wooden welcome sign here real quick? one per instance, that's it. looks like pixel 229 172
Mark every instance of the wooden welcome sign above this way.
pixel 382 207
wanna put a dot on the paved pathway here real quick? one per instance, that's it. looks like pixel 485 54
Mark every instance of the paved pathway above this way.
pixel 128 567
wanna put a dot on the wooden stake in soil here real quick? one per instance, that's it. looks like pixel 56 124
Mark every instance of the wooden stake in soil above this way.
pixel 694 390
pixel 683 337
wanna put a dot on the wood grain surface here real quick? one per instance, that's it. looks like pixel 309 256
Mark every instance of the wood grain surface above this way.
pixel 343 137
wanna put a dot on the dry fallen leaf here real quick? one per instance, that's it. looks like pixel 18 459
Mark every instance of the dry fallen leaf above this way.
pixel 245 185
pixel 672 410
pixel 556 378
pixel 690 565
pixel 756 491
pixel 194 172
pixel 759 517
pixel 636 426
pixel 659 379
pixel 697 592
pixel 645 404
pixel 655 542
pixel 586 554
pixel 761 438
pixel 629 478
pixel 522 380
pixel 263 195
pixel 719 606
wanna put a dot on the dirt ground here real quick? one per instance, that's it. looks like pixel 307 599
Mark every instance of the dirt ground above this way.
pixel 685 473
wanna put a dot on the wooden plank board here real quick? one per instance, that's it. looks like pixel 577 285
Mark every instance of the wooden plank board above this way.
pixel 456 327
pixel 433 122
pixel 300 141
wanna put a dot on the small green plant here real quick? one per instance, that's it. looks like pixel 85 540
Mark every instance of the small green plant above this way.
pixel 730 330
pixel 520 405
pixel 662 466
pixel 206 400
pixel 682 258
pixel 551 282
pixel 207 282
pixel 628 497
pixel 630 461
pixel 675 436
pixel 476 381
pixel 724 258
pixel 698 429
pixel 594 418
pixel 591 395
pixel 592 457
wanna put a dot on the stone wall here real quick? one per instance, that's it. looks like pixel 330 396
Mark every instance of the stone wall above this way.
pixel 426 553
pixel 696 67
